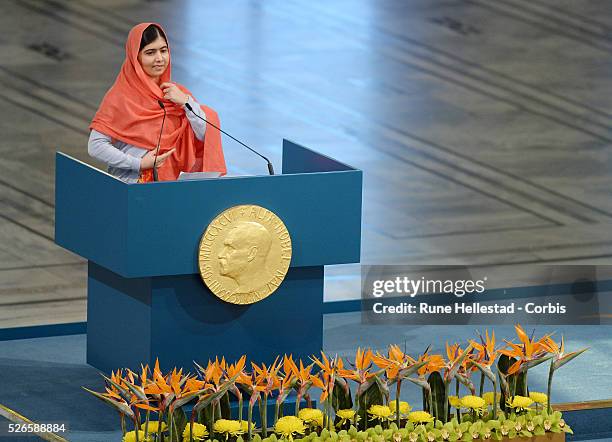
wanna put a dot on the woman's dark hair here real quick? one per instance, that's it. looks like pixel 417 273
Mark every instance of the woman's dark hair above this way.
pixel 150 35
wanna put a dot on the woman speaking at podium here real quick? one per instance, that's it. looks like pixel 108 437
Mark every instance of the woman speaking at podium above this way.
pixel 144 114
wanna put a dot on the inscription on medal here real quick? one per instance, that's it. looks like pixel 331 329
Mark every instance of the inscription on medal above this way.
pixel 245 254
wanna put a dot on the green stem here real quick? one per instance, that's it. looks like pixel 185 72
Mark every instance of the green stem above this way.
pixel 191 420
pixel 446 391
pixel 170 432
pixel 330 420
pixel 503 394
pixel 250 422
pixel 240 408
pixel 365 409
pixel 136 424
pixel 122 423
pixel 397 403
pixel 494 400
pixel 264 417
pixel 482 381
pixel 298 398
pixel 160 419
pixel 430 399
pixel 325 413
pixel 276 410
pixel 457 394
pixel 146 430
pixel 551 371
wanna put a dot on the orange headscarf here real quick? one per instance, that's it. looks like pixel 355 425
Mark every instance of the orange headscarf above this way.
pixel 130 113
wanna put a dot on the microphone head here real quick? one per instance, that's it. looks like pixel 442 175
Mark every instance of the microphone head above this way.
pixel 161 104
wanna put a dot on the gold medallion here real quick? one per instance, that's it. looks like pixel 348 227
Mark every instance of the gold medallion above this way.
pixel 244 254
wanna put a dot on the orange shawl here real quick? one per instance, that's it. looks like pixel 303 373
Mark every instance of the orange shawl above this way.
pixel 130 113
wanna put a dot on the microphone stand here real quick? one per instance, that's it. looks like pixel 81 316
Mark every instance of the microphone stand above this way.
pixel 161 104
pixel 270 167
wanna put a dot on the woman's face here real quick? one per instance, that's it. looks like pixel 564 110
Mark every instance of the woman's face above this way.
pixel 154 58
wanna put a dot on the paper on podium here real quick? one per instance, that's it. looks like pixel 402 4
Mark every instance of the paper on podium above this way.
pixel 198 175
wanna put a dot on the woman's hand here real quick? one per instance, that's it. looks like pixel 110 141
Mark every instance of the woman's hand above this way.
pixel 146 162
pixel 173 93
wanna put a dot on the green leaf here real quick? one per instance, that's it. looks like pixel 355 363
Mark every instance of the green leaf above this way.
pixel 384 388
pixel 179 421
pixel 119 406
pixel 207 399
pixel 226 411
pixel 122 391
pixel 139 392
pixel 371 396
pixel 182 401
pixel 411 370
pixel 485 370
pixel 450 374
pixel 438 395
pixel 341 396
pixel 568 357
pixel 530 364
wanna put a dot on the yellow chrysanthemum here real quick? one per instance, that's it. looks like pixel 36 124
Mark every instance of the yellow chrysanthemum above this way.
pixel 228 427
pixel 154 427
pixel 473 402
pixel 311 416
pixel 244 426
pixel 420 417
pixel 200 432
pixel 346 416
pixel 379 412
pixel 454 401
pixel 130 436
pixel 489 397
pixel 287 426
pixel 404 407
pixel 538 398
pixel 520 402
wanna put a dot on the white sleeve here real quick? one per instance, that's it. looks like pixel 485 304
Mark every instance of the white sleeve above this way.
pixel 101 148
pixel 198 126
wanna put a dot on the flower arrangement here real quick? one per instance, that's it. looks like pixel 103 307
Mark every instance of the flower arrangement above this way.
pixel 155 402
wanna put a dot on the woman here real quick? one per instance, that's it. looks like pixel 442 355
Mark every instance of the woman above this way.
pixel 126 128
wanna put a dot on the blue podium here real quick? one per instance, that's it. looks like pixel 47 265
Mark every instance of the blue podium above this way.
pixel 146 299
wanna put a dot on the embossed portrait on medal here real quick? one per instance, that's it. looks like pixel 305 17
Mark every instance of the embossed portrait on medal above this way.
pixel 245 254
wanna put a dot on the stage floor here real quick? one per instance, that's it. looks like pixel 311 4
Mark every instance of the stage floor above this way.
pixel 42 378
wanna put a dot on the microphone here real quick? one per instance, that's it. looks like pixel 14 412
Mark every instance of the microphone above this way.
pixel 161 104
pixel 270 167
